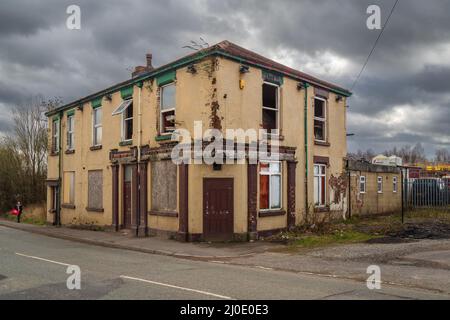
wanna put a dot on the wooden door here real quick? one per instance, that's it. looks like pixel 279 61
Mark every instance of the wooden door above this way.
pixel 218 207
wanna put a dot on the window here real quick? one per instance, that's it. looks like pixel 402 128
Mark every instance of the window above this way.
pixel 320 185
pixel 270 186
pixel 270 117
pixel 362 184
pixel 319 119
pixel 167 108
pixel 70 132
pixel 125 109
pixel 54 198
pixel 380 184
pixel 69 187
pixel 97 127
pixel 394 184
pixel 164 186
pixel 95 189
pixel 55 136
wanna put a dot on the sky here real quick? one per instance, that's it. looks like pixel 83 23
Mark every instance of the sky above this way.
pixel 402 97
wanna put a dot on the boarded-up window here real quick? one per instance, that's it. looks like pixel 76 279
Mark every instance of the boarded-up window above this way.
pixel 164 186
pixel 69 187
pixel 95 189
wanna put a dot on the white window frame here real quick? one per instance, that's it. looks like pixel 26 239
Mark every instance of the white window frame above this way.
pixel 362 182
pixel 277 109
pixel 270 174
pixel 379 184
pixel 71 132
pixel 95 127
pixel 320 175
pixel 324 119
pixel 394 184
pixel 55 135
pixel 123 121
pixel 161 111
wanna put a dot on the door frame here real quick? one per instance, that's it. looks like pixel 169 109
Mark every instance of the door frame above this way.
pixel 123 225
pixel 205 179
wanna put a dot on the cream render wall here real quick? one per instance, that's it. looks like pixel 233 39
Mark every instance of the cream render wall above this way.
pixel 217 79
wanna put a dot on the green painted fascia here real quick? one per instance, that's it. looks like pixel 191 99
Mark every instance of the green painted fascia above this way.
pixel 71 112
pixel 55 118
pixel 96 103
pixel 126 92
pixel 166 78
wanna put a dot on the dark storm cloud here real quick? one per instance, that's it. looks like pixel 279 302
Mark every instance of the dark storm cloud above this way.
pixel 405 82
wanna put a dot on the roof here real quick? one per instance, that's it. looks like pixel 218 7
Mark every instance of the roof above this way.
pixel 226 49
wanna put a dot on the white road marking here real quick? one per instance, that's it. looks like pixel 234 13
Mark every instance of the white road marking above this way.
pixel 42 259
pixel 177 287
pixel 264 268
pixel 215 261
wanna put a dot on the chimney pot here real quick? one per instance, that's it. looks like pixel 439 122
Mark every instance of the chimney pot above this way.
pixel 149 57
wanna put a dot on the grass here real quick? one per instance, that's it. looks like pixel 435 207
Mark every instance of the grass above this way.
pixel 25 219
pixel 356 230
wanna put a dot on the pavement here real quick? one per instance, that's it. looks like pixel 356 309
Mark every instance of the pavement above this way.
pixel 34 266
pixel 422 265
pixel 153 245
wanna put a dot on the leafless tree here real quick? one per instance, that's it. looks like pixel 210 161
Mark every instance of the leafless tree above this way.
pixel 442 155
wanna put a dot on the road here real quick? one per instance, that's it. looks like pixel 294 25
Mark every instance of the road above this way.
pixel 34 267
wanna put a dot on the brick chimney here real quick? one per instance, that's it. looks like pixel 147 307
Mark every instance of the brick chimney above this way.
pixel 138 70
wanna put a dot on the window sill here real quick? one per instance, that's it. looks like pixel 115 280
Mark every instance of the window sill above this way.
pixel 67 206
pixel 95 209
pixel 321 143
pixel 271 213
pixel 71 151
pixel 164 137
pixel 54 153
pixel 164 213
pixel 126 143
pixel 93 148
pixel 322 209
pixel 52 211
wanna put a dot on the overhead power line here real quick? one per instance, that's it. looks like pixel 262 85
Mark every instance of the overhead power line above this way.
pixel 374 45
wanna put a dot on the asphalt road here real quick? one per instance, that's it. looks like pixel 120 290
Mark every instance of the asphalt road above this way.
pixel 34 267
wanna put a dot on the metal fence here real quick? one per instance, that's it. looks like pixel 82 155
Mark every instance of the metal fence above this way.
pixel 426 192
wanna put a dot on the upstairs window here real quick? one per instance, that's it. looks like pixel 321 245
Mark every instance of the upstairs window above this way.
pixel 380 184
pixel 70 132
pixel 270 107
pixel 125 109
pixel 167 106
pixel 55 136
pixel 362 184
pixel 270 186
pixel 97 127
pixel 319 119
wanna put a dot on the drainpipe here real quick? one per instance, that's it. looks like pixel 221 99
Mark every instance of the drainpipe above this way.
pixel 58 199
pixel 140 84
pixel 138 204
pixel 305 116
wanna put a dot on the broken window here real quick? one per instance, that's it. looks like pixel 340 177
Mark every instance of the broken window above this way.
pixel 125 109
pixel 394 184
pixel 97 127
pixel 69 187
pixel 55 136
pixel 270 107
pixel 70 132
pixel 164 186
pixel 319 119
pixel 320 185
pixel 380 184
pixel 167 108
pixel 95 189
pixel 270 186
pixel 362 184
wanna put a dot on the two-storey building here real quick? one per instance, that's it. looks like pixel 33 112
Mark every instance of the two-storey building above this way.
pixel 110 160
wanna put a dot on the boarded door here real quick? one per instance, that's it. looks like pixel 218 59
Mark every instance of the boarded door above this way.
pixel 218 208
pixel 127 197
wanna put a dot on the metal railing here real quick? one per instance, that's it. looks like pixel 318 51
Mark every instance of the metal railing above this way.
pixel 426 192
